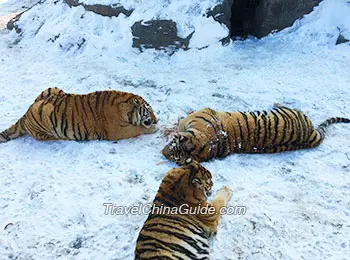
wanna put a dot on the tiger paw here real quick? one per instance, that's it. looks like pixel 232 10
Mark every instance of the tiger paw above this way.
pixel 225 192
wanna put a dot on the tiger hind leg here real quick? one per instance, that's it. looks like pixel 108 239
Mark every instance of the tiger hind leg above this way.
pixel 49 92
pixel 314 140
pixel 16 130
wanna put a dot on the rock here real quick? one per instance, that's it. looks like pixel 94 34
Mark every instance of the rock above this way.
pixel 272 15
pixel 12 23
pixel 104 10
pixel 259 17
pixel 341 39
pixel 77 243
pixel 158 34
pixel 222 13
pixel 243 17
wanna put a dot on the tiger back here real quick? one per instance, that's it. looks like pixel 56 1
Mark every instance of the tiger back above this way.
pixel 208 134
pixel 181 236
pixel 102 115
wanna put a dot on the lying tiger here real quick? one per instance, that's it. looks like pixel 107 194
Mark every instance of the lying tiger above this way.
pixel 182 236
pixel 102 115
pixel 206 134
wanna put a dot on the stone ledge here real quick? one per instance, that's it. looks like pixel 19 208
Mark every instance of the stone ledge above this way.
pixel 104 10
pixel 158 34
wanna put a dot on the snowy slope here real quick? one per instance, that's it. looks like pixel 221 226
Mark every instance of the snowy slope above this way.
pixel 298 203
pixel 54 18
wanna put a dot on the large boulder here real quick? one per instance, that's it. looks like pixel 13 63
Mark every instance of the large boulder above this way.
pixel 260 17
pixel 272 15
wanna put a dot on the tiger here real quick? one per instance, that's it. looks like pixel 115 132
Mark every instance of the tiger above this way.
pixel 182 234
pixel 101 115
pixel 207 134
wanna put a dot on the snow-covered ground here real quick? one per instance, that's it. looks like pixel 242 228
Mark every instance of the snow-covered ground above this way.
pixel 298 203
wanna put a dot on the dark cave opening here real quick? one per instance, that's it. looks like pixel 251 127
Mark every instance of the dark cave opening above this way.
pixel 243 16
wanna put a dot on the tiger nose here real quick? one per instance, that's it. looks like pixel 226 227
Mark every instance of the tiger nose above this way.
pixel 208 193
pixel 147 122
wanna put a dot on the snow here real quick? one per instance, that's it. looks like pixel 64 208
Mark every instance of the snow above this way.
pixel 297 203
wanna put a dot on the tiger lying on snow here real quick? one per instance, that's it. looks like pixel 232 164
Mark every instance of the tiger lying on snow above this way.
pixel 206 134
pixel 182 236
pixel 103 115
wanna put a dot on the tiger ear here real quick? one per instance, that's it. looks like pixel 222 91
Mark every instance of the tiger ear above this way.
pixel 136 101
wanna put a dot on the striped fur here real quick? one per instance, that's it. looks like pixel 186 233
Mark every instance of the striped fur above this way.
pixel 102 115
pixel 207 134
pixel 181 236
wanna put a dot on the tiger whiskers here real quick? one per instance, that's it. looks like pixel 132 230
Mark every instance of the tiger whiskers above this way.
pixel 162 162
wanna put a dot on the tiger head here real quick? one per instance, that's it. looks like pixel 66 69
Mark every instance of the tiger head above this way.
pixel 141 114
pixel 180 148
pixel 199 184
pixel 191 183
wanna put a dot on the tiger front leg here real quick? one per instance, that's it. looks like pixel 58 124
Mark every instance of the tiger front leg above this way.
pixel 219 202
pixel 44 137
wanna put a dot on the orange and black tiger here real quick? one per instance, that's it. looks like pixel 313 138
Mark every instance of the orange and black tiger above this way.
pixel 207 134
pixel 181 234
pixel 102 115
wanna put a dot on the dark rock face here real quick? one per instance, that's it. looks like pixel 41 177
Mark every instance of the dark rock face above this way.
pixel 260 17
pixel 158 34
pixel 104 10
pixel 222 13
pixel 243 14
pixel 271 15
